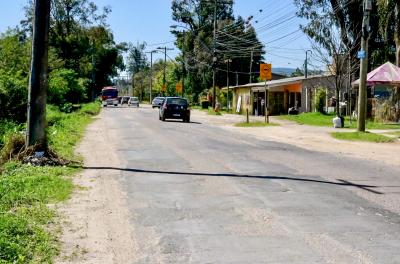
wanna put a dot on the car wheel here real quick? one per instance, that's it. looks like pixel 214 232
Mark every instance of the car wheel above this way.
pixel 188 119
pixel 138 105
pixel 163 118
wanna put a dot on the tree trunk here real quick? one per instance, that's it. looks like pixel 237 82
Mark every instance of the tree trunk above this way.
pixel 36 127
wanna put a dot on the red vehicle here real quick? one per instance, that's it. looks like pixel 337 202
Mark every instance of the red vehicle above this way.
pixel 109 96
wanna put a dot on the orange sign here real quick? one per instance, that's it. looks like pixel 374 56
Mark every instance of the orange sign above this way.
pixel 163 88
pixel 265 71
pixel 179 87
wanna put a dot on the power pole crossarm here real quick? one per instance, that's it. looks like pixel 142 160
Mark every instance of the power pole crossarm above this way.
pixel 37 95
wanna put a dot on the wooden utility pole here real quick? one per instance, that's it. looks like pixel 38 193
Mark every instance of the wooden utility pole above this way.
pixel 151 74
pixel 227 61
pixel 214 55
pixel 164 49
pixel 251 66
pixel 37 95
pixel 363 55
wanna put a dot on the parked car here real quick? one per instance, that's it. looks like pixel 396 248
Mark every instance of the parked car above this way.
pixel 124 100
pixel 133 101
pixel 157 102
pixel 175 108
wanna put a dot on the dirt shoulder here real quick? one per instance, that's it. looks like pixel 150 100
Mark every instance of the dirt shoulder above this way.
pixel 308 137
pixel 96 225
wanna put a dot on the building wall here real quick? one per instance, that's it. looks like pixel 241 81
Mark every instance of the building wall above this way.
pixel 309 87
pixel 246 101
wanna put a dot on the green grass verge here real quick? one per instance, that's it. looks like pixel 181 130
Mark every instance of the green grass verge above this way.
pixel 396 134
pixel 318 119
pixel 256 124
pixel 361 136
pixel 28 232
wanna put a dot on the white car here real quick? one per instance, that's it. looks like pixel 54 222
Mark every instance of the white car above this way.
pixel 133 101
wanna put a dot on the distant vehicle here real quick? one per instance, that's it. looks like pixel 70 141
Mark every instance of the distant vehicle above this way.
pixel 133 101
pixel 109 96
pixel 157 102
pixel 175 108
pixel 124 100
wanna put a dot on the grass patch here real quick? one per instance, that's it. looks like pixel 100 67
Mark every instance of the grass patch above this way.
pixel 27 233
pixel 319 119
pixel 255 124
pixel 361 136
pixel 396 134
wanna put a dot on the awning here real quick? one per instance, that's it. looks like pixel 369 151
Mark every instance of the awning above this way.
pixel 386 74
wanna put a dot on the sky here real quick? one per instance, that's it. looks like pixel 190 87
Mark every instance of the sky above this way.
pixel 150 21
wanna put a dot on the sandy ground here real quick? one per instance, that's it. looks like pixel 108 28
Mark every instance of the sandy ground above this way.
pixel 310 137
pixel 96 228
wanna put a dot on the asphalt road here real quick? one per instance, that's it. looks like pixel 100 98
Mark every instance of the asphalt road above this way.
pixel 201 194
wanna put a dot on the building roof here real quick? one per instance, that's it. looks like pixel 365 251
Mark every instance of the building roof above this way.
pixel 275 83
pixel 387 74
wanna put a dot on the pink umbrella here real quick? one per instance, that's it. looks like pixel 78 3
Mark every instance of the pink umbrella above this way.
pixel 387 74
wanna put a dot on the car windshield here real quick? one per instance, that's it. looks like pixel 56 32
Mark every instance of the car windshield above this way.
pixel 134 99
pixel 177 101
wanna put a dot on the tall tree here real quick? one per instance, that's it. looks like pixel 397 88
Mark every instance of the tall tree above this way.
pixel 137 59
pixel 234 39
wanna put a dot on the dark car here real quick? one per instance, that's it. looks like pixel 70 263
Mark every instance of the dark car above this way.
pixel 157 102
pixel 175 108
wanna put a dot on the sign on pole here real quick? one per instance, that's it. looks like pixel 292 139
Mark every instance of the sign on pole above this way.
pixel 163 88
pixel 179 87
pixel 361 54
pixel 265 71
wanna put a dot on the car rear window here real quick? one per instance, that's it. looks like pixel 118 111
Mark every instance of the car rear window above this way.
pixel 177 101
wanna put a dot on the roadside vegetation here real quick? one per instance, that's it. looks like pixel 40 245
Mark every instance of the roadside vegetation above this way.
pixel 320 119
pixel 256 124
pixel 361 136
pixel 28 226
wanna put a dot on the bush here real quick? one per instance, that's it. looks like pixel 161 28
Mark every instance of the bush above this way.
pixel 13 96
pixel 65 86
pixel 320 100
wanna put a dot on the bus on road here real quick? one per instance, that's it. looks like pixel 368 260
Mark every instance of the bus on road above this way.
pixel 109 96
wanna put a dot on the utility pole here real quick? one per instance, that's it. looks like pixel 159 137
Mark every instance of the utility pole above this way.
pixel 214 53
pixel 37 94
pixel 165 63
pixel 306 64
pixel 183 66
pixel 237 78
pixel 151 73
pixel 362 93
pixel 251 65
pixel 227 61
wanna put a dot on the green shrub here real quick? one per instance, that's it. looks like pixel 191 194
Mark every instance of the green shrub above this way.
pixel 320 100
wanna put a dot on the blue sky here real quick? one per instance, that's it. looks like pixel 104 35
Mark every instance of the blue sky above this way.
pixel 149 20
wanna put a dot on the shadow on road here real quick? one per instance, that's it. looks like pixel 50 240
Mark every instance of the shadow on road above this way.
pixel 340 182
pixel 178 121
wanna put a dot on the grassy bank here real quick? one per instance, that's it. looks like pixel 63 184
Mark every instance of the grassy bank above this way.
pixel 318 119
pixel 27 227
pixel 360 136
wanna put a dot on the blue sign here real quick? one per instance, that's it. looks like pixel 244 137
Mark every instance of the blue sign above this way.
pixel 361 54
